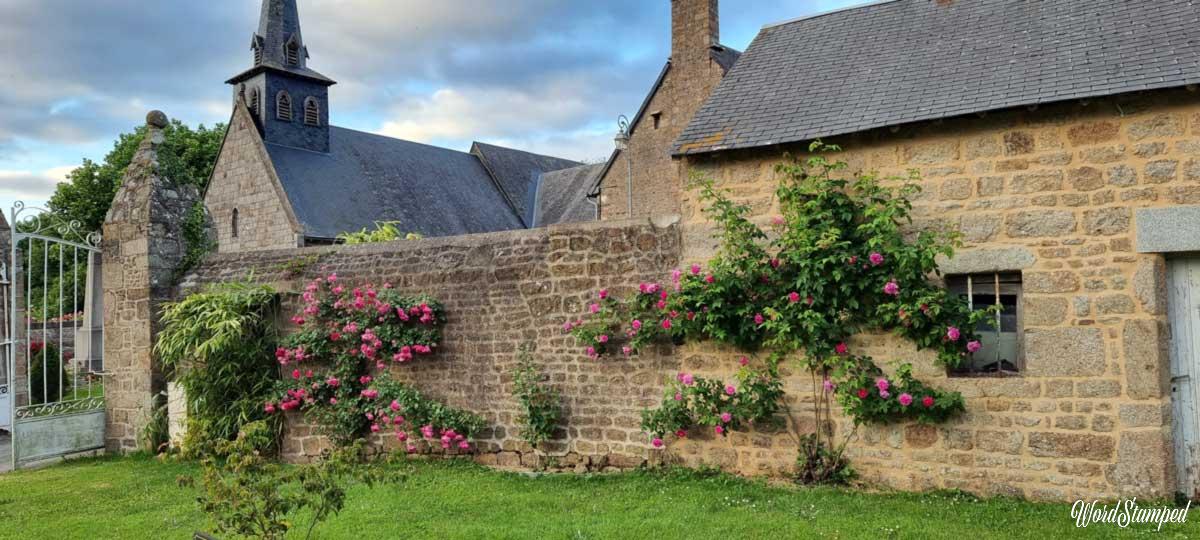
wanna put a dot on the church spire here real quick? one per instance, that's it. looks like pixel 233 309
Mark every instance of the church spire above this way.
pixel 278 44
pixel 289 101
pixel 278 38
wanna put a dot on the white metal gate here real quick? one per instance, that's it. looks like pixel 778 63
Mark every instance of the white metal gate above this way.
pixel 53 345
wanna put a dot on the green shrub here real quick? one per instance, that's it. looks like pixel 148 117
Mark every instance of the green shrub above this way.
pixel 44 385
pixel 218 345
pixel 541 407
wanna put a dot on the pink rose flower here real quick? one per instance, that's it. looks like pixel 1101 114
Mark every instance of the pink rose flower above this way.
pixel 758 318
pixel 927 401
pixel 973 346
pixel 884 394
pixel 678 396
pixel 730 390
pixel 687 379
pixel 720 430
pixel 626 350
pixel 744 361
pixel 636 324
pixel 595 308
pixel 841 348
pixel 726 417
pixel 875 258
pixel 695 269
pixel 603 294
pixel 602 338
pixel 882 384
pixel 828 385
pixel 952 333
pixel 892 288
pixel 709 278
pixel 657 442
pixel 905 399
pixel 666 324
pixel 793 297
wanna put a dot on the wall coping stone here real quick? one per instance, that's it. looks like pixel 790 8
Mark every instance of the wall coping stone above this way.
pixel 465 240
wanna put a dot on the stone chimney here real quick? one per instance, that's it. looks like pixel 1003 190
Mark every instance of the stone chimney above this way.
pixel 695 27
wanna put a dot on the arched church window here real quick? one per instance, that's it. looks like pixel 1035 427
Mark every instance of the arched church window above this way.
pixel 312 111
pixel 283 106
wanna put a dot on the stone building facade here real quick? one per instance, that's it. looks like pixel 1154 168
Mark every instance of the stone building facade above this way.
pixel 1051 194
pixel 698 62
pixel 244 184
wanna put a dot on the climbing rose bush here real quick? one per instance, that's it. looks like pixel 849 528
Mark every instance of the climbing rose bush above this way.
pixel 336 368
pixel 835 261
pixel 691 401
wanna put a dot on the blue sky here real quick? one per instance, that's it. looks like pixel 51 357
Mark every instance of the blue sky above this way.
pixel 543 75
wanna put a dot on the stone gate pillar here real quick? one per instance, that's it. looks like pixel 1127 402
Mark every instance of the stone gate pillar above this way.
pixel 143 245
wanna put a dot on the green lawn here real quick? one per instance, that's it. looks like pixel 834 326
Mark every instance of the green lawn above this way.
pixel 138 498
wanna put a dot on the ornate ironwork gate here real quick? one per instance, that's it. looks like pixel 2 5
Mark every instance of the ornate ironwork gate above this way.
pixel 53 343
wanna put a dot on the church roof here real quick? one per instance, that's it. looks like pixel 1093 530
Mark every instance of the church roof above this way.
pixel 904 61
pixel 562 196
pixel 516 173
pixel 367 178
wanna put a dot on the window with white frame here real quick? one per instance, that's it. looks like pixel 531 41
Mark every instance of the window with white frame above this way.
pixel 1000 332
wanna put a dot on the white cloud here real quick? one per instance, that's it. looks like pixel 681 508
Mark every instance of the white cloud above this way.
pixel 32 185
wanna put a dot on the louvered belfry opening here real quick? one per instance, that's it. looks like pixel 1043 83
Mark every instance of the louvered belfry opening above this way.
pixel 312 112
pixel 283 107
pixel 253 100
pixel 293 53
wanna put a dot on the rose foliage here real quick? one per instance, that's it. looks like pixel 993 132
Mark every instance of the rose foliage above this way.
pixel 337 367
pixel 836 261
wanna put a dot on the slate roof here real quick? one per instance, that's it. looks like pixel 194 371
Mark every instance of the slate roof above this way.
pixel 517 172
pixel 562 196
pixel 367 178
pixel 906 61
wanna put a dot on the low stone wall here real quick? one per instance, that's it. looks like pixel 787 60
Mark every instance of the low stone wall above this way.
pixel 501 290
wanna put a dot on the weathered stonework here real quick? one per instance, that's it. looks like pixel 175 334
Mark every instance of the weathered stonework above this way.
pixel 142 246
pixel 244 180
pixel 501 290
pixel 1080 188
pixel 688 80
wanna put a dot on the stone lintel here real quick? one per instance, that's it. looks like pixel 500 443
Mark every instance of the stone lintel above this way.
pixel 1168 230
pixel 978 261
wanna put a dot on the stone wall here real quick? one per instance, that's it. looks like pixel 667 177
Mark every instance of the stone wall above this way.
pixel 244 180
pixel 1050 193
pixel 501 290
pixel 690 78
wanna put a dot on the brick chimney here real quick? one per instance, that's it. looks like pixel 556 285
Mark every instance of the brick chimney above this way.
pixel 694 28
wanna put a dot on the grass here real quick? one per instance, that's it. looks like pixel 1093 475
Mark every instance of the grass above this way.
pixel 138 497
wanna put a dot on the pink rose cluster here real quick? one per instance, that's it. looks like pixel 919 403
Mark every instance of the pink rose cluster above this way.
pixel 883 387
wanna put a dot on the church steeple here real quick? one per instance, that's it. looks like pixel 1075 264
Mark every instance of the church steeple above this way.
pixel 289 100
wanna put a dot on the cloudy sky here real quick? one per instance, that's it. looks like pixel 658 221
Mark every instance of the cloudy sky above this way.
pixel 544 75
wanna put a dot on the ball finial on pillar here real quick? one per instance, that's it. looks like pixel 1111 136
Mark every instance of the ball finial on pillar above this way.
pixel 156 119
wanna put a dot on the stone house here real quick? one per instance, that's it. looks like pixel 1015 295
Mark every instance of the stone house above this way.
pixel 698 62
pixel 286 178
pixel 1067 154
